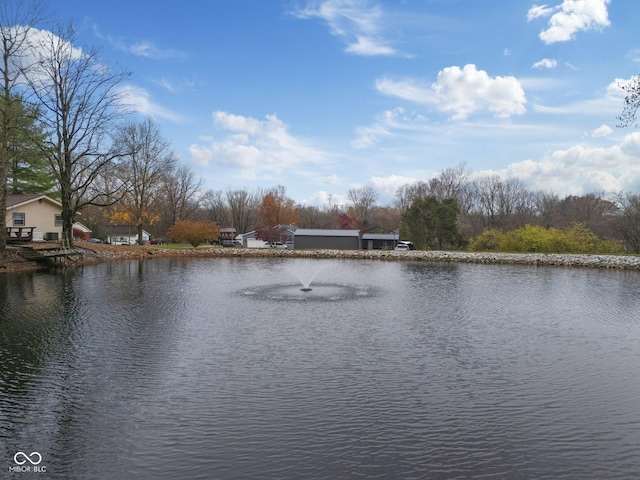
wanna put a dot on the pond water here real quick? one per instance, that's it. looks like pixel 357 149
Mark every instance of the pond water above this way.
pixel 223 368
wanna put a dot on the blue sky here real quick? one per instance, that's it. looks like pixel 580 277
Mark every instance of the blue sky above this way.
pixel 323 96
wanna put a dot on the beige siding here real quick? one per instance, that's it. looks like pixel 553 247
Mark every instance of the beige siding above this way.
pixel 40 214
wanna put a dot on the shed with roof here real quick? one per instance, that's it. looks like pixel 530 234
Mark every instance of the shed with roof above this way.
pixel 379 241
pixel 327 239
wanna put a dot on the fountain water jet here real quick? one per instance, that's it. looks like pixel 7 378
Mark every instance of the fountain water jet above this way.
pixel 304 278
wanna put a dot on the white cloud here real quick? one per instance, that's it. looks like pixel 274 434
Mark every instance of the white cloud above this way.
pixel 610 102
pixel 407 89
pixel 386 125
pixel 602 131
pixel 570 17
pixel 139 100
pixel 358 22
pixel 545 63
pixel 389 185
pixel 581 169
pixel 325 199
pixel 369 135
pixel 254 148
pixel 142 48
pixel 463 91
pixel 239 123
pixel 539 11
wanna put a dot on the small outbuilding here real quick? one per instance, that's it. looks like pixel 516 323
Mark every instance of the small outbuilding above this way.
pixel 327 239
pixel 81 231
pixel 379 241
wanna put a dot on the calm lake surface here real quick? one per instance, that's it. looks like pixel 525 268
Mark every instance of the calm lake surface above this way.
pixel 223 368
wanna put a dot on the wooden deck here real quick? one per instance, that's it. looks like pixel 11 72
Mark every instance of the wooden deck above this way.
pixel 19 234
pixel 47 254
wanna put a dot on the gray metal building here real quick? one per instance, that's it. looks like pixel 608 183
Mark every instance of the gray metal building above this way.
pixel 379 241
pixel 329 239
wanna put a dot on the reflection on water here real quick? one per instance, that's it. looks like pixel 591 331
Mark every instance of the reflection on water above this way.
pixel 222 368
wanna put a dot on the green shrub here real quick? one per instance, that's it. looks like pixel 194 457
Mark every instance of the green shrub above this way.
pixel 536 239
pixel 488 241
pixel 533 239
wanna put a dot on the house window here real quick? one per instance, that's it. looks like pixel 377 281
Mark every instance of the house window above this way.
pixel 18 219
pixel 58 220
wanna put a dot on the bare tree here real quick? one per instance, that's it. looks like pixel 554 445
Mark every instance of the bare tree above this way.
pixel 502 201
pixel 628 222
pixel 631 102
pixel 547 205
pixel 81 100
pixel 17 18
pixel 449 183
pixel 361 201
pixel 216 207
pixel 182 191
pixel 407 193
pixel 243 207
pixel 146 157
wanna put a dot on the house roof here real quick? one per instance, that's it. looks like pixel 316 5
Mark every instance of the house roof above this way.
pixel 82 227
pixel 123 230
pixel 380 236
pixel 14 201
pixel 227 230
pixel 316 232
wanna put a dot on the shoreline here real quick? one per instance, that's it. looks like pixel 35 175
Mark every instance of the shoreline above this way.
pixel 99 253
pixel 548 259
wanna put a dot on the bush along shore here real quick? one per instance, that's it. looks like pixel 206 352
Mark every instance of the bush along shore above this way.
pixel 92 254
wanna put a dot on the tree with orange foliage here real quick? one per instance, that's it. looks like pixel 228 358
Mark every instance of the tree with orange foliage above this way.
pixel 276 209
pixel 127 214
pixel 194 233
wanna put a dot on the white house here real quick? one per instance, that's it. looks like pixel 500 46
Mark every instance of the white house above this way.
pixel 125 235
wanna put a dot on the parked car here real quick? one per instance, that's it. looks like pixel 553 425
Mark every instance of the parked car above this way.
pixel 407 245
pixel 95 240
pixel 402 247
pixel 228 243
pixel 278 245
pixel 156 241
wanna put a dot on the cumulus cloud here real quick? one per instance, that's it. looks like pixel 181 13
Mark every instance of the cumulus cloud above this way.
pixel 580 169
pixel 254 148
pixel 602 131
pixel 570 17
pixel 323 198
pixel 545 63
pixel 358 22
pixel 463 91
pixel 390 184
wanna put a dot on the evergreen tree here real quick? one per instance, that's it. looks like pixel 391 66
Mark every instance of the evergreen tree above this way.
pixel 29 171
pixel 432 223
